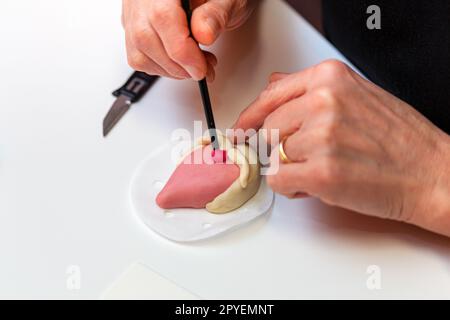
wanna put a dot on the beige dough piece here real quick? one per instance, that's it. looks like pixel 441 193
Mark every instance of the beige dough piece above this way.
pixel 246 186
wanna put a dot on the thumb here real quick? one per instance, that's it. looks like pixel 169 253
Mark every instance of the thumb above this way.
pixel 212 18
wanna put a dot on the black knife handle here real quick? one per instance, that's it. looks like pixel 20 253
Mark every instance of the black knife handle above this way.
pixel 136 86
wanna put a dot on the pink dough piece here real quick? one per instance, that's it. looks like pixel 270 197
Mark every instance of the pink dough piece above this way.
pixel 219 156
pixel 197 181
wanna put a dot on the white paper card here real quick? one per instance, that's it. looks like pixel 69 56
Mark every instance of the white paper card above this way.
pixel 141 283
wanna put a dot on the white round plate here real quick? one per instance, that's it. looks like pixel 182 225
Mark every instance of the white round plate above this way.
pixel 185 225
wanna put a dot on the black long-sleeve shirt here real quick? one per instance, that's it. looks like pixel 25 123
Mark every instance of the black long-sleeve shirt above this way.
pixel 409 56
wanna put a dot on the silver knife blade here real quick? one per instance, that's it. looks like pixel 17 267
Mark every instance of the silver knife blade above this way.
pixel 117 111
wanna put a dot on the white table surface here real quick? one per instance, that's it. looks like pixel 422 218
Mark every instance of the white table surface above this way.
pixel 64 189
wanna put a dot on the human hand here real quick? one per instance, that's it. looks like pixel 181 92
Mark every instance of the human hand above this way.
pixel 158 40
pixel 355 146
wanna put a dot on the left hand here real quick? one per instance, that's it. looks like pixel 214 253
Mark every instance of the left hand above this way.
pixel 355 146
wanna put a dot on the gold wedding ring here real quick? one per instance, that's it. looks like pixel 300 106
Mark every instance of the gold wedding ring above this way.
pixel 283 156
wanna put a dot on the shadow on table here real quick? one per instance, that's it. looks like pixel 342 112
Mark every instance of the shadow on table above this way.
pixel 294 216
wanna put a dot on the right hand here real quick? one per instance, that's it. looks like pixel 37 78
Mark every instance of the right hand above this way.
pixel 157 34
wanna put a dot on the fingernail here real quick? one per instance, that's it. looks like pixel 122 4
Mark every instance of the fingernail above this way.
pixel 194 73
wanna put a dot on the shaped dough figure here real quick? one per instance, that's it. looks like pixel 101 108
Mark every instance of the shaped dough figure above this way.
pixel 200 181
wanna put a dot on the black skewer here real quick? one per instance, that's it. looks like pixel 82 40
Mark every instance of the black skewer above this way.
pixel 203 85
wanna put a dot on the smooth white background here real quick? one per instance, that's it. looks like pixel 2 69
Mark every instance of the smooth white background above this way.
pixel 64 189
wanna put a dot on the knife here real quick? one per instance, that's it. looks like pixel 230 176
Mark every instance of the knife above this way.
pixel 131 92
pixel 203 85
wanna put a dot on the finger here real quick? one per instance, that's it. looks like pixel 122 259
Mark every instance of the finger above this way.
pixel 140 62
pixel 276 94
pixel 303 146
pixel 322 136
pixel 149 43
pixel 292 179
pixel 211 74
pixel 276 76
pixel 170 23
pixel 297 147
pixel 215 16
pixel 212 63
pixel 211 58
pixel 288 118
